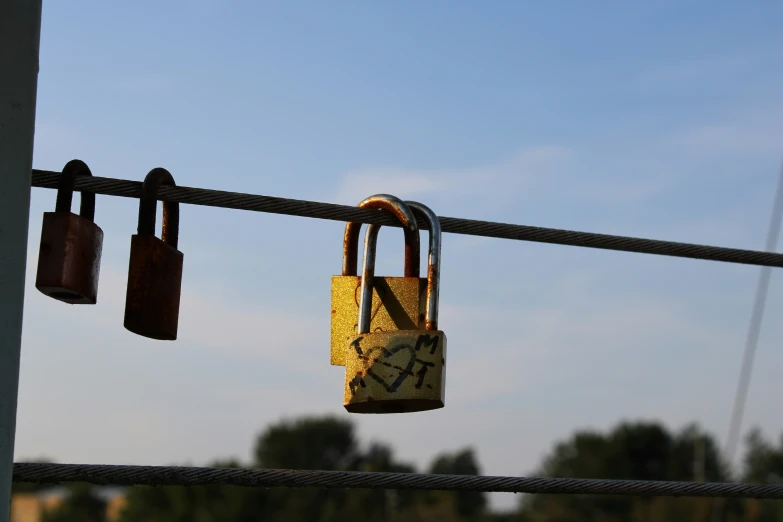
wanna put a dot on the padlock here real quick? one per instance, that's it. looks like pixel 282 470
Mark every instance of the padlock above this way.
pixel 69 258
pixel 397 302
pixel 400 371
pixel 155 268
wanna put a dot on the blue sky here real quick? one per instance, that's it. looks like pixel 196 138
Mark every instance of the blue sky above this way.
pixel 660 120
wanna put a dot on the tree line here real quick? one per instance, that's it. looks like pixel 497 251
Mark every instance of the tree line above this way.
pixel 630 450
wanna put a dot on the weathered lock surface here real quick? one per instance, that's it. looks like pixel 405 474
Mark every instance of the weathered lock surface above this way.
pixel 396 305
pixel 397 302
pixel 396 372
pixel 399 371
pixel 69 257
pixel 155 268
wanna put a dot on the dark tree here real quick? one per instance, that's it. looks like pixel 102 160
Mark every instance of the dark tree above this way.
pixel 763 465
pixel 631 451
pixel 81 504
pixel 214 503
pixel 324 443
pixel 467 504
pixel 310 443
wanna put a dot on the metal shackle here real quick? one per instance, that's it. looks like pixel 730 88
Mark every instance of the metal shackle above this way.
pixel 433 264
pixel 65 190
pixel 410 229
pixel 368 269
pixel 148 205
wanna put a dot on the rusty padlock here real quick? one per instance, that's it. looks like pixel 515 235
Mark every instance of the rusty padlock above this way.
pixel 155 268
pixel 396 302
pixel 69 258
pixel 399 371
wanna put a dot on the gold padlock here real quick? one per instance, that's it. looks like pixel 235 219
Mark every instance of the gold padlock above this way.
pixel 397 302
pixel 398 371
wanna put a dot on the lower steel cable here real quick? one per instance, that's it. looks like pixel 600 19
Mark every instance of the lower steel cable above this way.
pixel 46 473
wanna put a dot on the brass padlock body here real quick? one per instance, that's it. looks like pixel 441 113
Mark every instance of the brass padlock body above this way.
pixel 397 304
pixel 69 258
pixel 395 372
pixel 154 285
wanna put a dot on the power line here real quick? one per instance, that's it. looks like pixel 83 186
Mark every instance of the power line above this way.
pixel 752 339
pixel 312 209
pixel 102 474
pixel 754 329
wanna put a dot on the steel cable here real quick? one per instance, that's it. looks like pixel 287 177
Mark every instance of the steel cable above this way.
pixel 312 209
pixel 192 476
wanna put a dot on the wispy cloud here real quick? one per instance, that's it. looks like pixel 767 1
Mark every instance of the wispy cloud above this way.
pixel 229 361
pixel 495 181
pixel 260 331
pixel 559 340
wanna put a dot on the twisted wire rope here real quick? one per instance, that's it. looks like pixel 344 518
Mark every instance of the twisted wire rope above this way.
pixel 106 474
pixel 331 211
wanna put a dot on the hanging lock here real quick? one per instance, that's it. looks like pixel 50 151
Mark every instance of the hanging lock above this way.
pixel 155 269
pixel 396 301
pixel 397 371
pixel 69 258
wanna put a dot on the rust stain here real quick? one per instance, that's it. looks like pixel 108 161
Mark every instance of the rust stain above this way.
pixel 154 283
pixel 69 259
pixel 432 286
pixel 410 229
pixel 148 204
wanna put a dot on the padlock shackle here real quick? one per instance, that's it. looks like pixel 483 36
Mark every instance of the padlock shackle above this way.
pixel 433 270
pixel 410 229
pixel 368 274
pixel 148 206
pixel 65 190
pixel 433 264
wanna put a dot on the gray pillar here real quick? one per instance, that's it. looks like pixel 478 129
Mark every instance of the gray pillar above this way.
pixel 20 36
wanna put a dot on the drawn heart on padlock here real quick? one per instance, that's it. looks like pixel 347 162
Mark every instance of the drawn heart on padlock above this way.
pixel 388 358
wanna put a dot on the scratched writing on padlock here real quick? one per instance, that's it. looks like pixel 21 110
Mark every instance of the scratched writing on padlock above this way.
pixel 391 366
pixel 396 371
